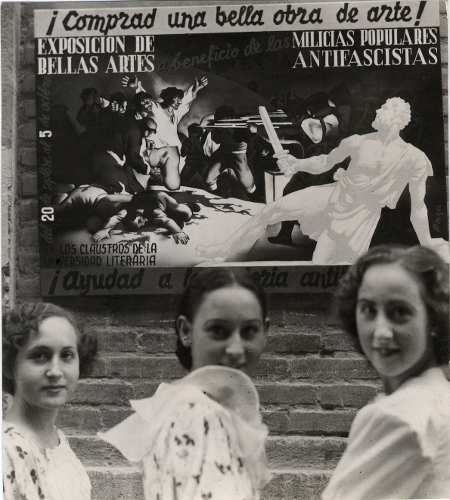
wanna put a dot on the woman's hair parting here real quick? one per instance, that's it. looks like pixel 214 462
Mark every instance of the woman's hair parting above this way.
pixel 208 281
pixel 19 324
pixel 427 268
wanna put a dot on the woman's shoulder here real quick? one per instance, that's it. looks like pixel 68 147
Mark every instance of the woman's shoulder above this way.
pixel 22 457
pixel 16 439
pixel 420 407
pixel 426 394
pixel 171 406
pixel 65 462
pixel 189 402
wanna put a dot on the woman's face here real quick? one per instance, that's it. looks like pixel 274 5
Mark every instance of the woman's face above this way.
pixel 47 368
pixel 393 324
pixel 228 330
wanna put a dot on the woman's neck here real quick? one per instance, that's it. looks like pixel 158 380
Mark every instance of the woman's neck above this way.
pixel 40 422
pixel 391 384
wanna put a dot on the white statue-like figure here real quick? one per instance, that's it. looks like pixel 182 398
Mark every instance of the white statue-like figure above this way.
pixel 343 216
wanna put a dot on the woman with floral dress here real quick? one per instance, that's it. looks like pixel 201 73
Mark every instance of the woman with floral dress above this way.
pixel 201 437
pixel 44 354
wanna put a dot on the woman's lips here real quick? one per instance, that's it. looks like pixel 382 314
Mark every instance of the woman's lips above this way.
pixel 53 388
pixel 386 352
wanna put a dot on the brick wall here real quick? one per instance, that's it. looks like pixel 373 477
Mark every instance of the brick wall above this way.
pixel 311 380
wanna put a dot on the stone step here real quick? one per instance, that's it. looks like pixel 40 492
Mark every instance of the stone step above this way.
pixel 120 392
pixel 280 420
pixel 287 407
pixel 283 452
pixel 124 483
pixel 296 485
pixel 118 483
pixel 280 340
pixel 272 367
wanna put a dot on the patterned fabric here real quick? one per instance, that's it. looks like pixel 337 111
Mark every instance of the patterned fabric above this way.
pixel 30 473
pixel 198 438
pixel 399 445
pixel 196 456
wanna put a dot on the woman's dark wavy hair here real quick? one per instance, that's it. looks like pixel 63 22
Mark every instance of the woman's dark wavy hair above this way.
pixel 24 321
pixel 169 94
pixel 425 266
pixel 205 282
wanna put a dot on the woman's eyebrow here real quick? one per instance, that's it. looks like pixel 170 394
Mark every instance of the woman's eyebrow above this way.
pixel 40 346
pixel 216 320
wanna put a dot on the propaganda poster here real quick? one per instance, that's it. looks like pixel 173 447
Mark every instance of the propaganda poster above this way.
pixel 286 138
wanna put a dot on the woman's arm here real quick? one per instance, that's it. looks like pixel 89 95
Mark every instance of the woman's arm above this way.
pixel 383 459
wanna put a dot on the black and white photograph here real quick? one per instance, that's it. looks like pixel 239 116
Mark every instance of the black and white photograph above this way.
pixel 225 250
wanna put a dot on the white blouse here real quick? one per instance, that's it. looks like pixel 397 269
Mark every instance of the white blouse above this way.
pixel 167 126
pixel 198 438
pixel 399 445
pixel 32 473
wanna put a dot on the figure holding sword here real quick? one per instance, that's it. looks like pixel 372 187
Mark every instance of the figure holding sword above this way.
pixel 342 216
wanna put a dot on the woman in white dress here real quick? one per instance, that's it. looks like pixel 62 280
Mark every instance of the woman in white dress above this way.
pixel 395 302
pixel 201 437
pixel 44 354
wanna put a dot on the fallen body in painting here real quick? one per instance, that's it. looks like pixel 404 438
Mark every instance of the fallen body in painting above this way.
pixel 213 219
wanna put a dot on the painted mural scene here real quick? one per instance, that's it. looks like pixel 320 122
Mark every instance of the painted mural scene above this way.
pixel 254 146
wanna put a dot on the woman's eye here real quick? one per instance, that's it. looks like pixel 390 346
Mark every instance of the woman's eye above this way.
pixel 367 310
pixel 250 332
pixel 68 355
pixel 399 314
pixel 218 331
pixel 40 356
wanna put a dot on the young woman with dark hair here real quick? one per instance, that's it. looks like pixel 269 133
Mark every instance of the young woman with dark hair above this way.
pixel 202 436
pixel 395 302
pixel 44 354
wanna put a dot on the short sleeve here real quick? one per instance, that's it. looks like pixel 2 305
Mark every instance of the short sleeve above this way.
pixel 383 459
pixel 23 474
pixel 196 457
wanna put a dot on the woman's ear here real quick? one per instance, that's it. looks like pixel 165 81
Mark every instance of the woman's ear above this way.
pixel 266 324
pixel 184 330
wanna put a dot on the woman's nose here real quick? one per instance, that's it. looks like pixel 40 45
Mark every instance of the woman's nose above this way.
pixel 54 368
pixel 383 328
pixel 235 345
